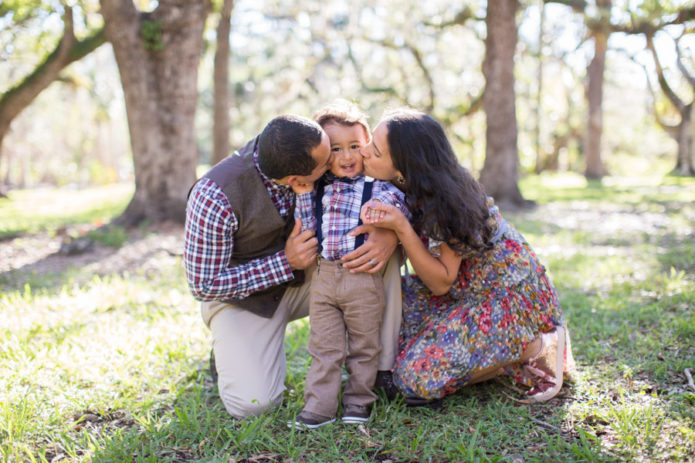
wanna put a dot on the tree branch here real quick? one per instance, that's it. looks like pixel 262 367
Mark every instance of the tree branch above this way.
pixel 663 83
pixel 689 77
pixel 420 62
pixel 68 50
pixel 670 129
pixel 459 20
pixel 577 5
pixel 366 87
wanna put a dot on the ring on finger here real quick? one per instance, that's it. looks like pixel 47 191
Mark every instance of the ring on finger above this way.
pixel 372 263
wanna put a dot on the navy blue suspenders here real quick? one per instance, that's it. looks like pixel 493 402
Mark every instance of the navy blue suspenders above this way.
pixel 366 195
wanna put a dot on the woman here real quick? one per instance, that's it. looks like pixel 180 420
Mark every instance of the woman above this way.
pixel 480 302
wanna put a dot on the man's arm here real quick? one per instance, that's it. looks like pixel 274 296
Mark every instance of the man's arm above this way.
pixel 208 246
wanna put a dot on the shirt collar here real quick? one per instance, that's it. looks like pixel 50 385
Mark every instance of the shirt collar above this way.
pixel 331 177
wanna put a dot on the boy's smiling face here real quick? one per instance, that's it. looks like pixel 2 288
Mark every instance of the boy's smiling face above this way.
pixel 346 141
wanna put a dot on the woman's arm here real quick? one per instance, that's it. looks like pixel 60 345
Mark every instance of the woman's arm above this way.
pixel 438 273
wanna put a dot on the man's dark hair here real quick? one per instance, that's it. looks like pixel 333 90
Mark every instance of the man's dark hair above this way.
pixel 285 146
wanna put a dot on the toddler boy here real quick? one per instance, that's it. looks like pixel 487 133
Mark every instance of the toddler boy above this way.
pixel 342 301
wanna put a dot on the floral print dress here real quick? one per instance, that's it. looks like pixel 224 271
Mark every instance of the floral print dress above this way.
pixel 500 301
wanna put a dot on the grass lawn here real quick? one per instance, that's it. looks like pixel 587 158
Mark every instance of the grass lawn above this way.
pixel 104 358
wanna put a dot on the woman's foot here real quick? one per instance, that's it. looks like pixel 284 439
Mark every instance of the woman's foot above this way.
pixel 546 367
pixel 384 382
pixel 412 401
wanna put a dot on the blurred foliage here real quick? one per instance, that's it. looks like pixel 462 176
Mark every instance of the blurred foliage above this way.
pixel 290 56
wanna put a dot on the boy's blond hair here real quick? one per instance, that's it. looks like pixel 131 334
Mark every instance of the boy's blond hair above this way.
pixel 342 112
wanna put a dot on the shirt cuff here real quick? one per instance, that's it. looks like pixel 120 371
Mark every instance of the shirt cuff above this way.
pixel 284 269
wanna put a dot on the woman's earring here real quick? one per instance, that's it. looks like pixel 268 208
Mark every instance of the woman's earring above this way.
pixel 400 181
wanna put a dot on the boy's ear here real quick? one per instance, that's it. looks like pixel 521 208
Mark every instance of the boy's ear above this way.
pixel 291 180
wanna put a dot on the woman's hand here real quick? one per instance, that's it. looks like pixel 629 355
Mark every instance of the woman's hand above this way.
pixel 382 215
pixel 374 253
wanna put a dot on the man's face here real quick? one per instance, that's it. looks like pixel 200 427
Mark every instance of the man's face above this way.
pixel 322 155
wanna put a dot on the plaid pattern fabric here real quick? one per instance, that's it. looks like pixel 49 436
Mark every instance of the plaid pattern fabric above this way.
pixel 341 203
pixel 209 242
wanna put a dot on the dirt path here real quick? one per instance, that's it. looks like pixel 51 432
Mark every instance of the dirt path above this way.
pixel 39 254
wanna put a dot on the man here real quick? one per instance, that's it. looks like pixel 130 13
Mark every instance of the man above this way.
pixel 248 263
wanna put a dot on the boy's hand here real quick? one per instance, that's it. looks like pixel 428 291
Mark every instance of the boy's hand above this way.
pixel 300 188
pixel 382 215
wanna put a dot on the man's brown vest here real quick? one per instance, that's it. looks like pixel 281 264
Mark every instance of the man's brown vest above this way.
pixel 262 232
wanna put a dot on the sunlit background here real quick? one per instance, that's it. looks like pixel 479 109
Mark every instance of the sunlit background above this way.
pixel 292 56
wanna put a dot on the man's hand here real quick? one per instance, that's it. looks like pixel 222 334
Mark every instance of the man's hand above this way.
pixel 302 248
pixel 374 253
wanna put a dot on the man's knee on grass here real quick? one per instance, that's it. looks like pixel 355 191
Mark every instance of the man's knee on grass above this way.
pixel 241 407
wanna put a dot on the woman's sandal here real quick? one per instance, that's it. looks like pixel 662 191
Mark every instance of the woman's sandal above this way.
pixel 547 366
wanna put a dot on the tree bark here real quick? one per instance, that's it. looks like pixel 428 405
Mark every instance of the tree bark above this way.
pixel 67 51
pixel 683 131
pixel 158 55
pixel 685 163
pixel 220 124
pixel 594 95
pixel 500 172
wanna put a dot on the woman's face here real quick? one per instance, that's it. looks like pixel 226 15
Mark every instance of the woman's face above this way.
pixel 377 157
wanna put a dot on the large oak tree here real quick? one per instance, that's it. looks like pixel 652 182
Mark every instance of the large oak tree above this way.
pixel 158 53
pixel 500 172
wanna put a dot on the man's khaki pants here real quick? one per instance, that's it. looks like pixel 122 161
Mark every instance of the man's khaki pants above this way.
pixel 250 351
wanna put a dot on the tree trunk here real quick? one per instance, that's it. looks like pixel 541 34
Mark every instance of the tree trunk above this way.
pixel 68 50
pixel 541 161
pixel 594 95
pixel 685 163
pixel 500 172
pixel 220 130
pixel 158 55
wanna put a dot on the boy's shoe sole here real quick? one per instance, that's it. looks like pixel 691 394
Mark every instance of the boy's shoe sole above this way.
pixel 354 419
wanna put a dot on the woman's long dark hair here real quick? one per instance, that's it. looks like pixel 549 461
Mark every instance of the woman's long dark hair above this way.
pixel 447 203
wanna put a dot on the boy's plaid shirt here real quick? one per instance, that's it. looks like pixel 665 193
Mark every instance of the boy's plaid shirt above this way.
pixel 209 242
pixel 341 204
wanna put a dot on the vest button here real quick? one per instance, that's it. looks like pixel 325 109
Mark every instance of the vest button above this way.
pixel 277 298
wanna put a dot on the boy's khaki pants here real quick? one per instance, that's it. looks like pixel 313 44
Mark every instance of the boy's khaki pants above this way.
pixel 250 352
pixel 342 301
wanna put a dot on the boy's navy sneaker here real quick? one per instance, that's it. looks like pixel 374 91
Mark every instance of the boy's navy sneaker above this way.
pixel 355 414
pixel 307 420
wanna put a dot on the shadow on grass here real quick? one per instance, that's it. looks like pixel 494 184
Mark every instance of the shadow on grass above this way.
pixel 113 252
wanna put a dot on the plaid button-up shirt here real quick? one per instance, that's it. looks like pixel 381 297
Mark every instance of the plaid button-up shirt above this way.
pixel 341 204
pixel 209 242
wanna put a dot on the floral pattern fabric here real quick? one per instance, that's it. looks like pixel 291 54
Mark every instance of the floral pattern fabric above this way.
pixel 500 301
